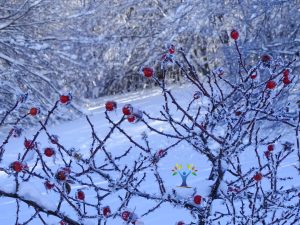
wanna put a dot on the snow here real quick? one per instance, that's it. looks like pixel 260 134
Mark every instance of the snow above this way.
pixel 29 191
pixel 8 184
pixel 77 134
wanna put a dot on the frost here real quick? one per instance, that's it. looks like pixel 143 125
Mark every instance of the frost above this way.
pixel 8 186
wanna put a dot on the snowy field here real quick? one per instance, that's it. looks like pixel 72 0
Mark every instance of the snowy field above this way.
pixel 77 134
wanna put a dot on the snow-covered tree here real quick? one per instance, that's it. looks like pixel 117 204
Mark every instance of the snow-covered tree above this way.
pixel 104 44
pixel 225 121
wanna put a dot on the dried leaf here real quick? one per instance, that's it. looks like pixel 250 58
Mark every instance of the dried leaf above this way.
pixel 68 188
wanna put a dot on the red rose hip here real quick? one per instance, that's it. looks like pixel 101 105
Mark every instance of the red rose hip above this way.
pixel 171 49
pixel 34 111
pixel 197 199
pixel 253 76
pixel 80 195
pixel 61 175
pixel 110 105
pixel 234 34
pixel 286 80
pixel 28 144
pixel 48 185
pixel 271 84
pixel 127 109
pixel 17 166
pixel 267 154
pixel 131 118
pixel 270 148
pixel 125 215
pixel 265 58
pixel 106 211
pixel 65 99
pixel 286 73
pixel 257 177
pixel 49 152
pixel 148 72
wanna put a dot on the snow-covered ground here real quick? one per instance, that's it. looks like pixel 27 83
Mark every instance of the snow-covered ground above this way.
pixel 77 134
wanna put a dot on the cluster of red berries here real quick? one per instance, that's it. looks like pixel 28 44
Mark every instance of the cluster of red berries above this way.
pixel 266 59
pixel 272 84
pixel 269 151
pixel 286 79
pixel 29 144
pixel 128 111
pixel 132 114
pixel 62 176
